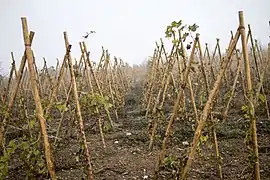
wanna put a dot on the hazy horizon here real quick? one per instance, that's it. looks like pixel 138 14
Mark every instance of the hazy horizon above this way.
pixel 128 29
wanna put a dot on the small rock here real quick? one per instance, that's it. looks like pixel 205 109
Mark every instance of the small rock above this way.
pixel 77 158
pixel 185 143
pixel 116 142
pixel 128 134
pixel 125 173
pixel 145 177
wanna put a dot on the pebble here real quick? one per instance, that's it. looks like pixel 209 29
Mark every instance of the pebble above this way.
pixel 128 134
pixel 185 143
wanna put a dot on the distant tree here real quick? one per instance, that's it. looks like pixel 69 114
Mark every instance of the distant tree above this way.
pixel 1 69
pixel 51 69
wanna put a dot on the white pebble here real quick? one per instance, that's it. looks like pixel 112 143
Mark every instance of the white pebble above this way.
pixel 185 143
pixel 145 177
pixel 128 134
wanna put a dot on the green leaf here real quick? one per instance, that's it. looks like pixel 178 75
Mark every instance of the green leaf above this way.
pixel 62 107
pixel 175 41
pixel 179 23
pixel 32 123
pixel 169 32
pixel 246 116
pixel 168 35
pixel 244 108
pixel 174 24
pixel 262 98
pixel 11 150
pixel 12 144
pixel 36 152
pixel 193 27
pixel 185 35
pixel 108 105
pixel 24 145
pixel 106 98
pixel 203 139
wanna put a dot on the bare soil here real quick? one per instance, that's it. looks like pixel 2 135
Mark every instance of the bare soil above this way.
pixel 126 156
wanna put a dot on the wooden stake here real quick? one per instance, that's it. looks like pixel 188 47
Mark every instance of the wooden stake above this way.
pixel 250 96
pixel 14 93
pixel 78 108
pixel 39 109
pixel 180 96
pixel 207 107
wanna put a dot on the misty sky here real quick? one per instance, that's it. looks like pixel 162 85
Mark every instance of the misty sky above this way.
pixel 128 29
